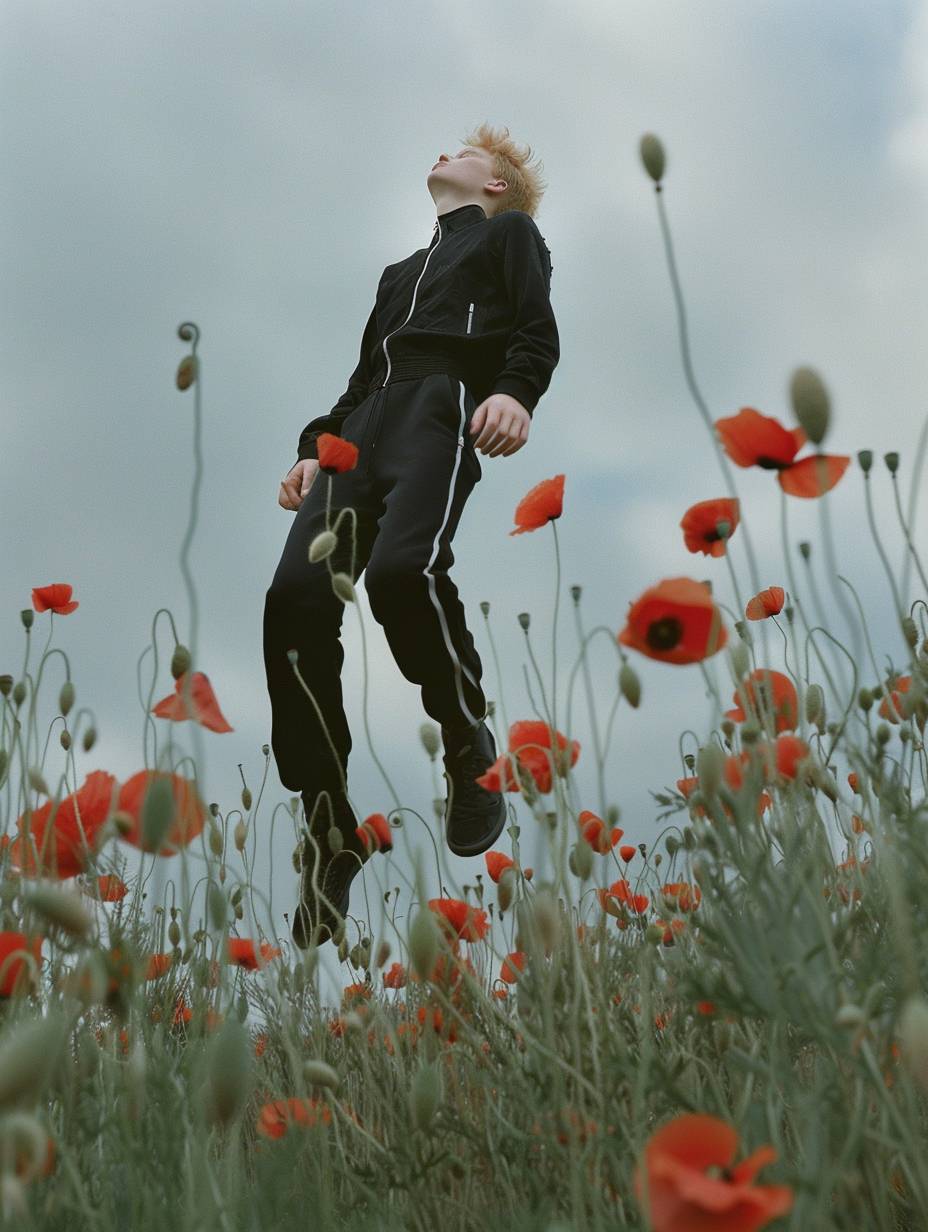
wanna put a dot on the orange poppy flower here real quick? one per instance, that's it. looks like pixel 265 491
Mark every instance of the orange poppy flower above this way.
pixel 396 977
pixel 685 897
pixel 765 603
pixel 701 521
pixel 675 621
pixel 277 1117
pixel 893 712
pixel 189 813
pixel 594 831
pixel 460 919
pixel 853 781
pixel 497 863
pixel 203 705
pixel 55 598
pixel 335 455
pixel 60 850
pixel 542 504
pixel 111 888
pixel 627 852
pixel 241 950
pixel 375 833
pixel 752 439
pixel 355 992
pixel 774 693
pixel 158 964
pixel 684 1196
pixel 15 973
pixel 511 964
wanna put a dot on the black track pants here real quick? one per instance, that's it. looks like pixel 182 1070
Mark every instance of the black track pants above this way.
pixel 416 467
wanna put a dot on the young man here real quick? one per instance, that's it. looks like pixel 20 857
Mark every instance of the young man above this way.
pixel 460 345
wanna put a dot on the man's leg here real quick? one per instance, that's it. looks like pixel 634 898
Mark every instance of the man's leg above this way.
pixel 303 613
pixel 424 477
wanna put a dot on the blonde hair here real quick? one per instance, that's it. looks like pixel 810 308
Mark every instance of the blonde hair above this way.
pixel 526 187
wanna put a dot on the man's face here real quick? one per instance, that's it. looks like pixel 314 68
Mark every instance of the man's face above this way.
pixel 466 173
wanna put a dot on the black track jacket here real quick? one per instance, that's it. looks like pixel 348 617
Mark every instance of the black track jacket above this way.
pixel 474 304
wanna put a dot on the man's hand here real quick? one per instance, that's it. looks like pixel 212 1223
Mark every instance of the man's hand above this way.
pixel 500 425
pixel 293 487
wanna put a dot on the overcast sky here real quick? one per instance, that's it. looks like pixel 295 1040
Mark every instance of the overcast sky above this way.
pixel 254 168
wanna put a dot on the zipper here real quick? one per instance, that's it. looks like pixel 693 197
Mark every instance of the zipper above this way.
pixel 469 316
pixel 415 289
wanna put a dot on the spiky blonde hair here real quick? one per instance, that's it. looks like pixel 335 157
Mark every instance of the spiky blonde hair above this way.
pixel 526 187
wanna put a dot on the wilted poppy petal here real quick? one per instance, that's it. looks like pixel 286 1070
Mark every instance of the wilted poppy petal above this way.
pixel 765 603
pixel 204 707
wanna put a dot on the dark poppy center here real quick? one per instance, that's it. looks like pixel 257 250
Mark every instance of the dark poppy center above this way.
pixel 665 633
pixel 770 464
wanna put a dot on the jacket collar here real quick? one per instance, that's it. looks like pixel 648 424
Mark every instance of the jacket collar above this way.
pixel 463 216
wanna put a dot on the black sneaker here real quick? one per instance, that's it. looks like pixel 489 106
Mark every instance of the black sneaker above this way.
pixel 474 817
pixel 318 915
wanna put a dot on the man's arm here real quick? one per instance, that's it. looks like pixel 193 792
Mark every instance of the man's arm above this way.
pixel 534 348
pixel 353 396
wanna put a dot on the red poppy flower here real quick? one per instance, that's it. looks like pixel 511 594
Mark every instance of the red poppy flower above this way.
pixel 768 693
pixel 111 888
pixel 188 815
pixel 893 712
pixel 684 1196
pixel 461 919
pixel 853 781
pixel 544 503
pixel 790 752
pixel 15 973
pixel 752 439
pixel 335 455
pixel 685 897
pixel 765 603
pixel 627 852
pixel 375 833
pixel 497 863
pixel 60 850
pixel 277 1117
pixel 594 831
pixel 55 598
pixel 396 977
pixel 158 964
pixel 204 708
pixel 511 964
pixel 701 521
pixel 675 621
pixel 242 951
pixel 355 992
pixel 530 741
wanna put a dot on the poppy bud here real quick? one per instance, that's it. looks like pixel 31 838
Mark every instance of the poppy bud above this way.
pixel 864 699
pixel 425 1096
pixel 654 934
pixel 652 156
pixel 815 703
pixel 319 1074
pixel 739 661
pixel 241 833
pixel 30 1049
pixel 180 661
pixel 186 372
pixel 913 1036
pixel 728 728
pixel 672 844
pixel 323 545
pixel 505 889
pixel 580 860
pixel 710 761
pixel 66 697
pixel 335 839
pixel 910 631
pixel 61 908
pixel 810 403
pixel 174 933
pixel 229 1072
pixel 431 741
pixel 883 733
pixel 383 953
pixel 343 587
pixel 630 685
pixel 423 943
pixel 215 839
pixel 246 799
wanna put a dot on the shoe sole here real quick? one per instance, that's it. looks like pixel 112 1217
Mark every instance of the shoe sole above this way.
pixel 477 849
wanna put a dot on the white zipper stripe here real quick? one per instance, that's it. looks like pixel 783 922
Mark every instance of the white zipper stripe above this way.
pixel 459 667
pixel 411 306
pixel 469 315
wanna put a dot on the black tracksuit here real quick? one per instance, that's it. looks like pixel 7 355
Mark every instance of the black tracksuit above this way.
pixel 465 318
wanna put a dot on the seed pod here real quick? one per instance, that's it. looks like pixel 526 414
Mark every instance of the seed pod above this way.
pixel 180 661
pixel 431 739
pixel 323 545
pixel 186 372
pixel 320 1074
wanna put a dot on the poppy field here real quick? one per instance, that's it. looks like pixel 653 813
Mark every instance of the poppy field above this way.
pixel 714 1019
